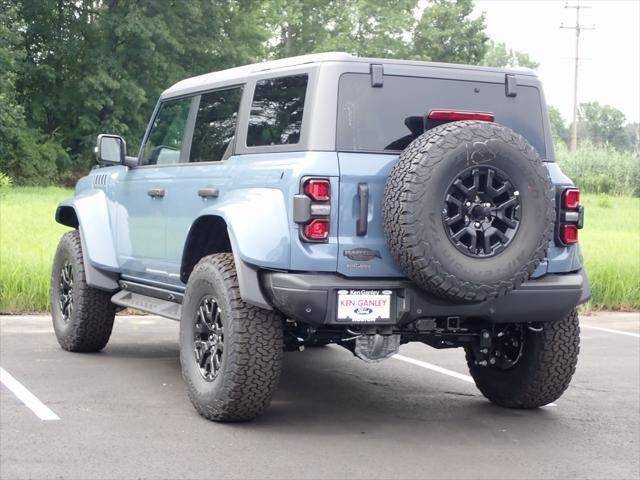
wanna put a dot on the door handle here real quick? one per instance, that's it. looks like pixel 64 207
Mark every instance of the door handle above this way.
pixel 156 192
pixel 209 192
pixel 362 223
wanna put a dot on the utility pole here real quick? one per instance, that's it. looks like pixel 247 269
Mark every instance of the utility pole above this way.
pixel 578 28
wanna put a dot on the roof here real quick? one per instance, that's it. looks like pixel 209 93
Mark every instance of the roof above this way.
pixel 213 78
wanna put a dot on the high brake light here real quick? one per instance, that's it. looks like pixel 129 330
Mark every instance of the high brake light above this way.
pixel 319 190
pixel 571 198
pixel 450 116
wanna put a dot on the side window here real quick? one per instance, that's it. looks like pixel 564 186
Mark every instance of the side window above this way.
pixel 164 143
pixel 215 125
pixel 276 111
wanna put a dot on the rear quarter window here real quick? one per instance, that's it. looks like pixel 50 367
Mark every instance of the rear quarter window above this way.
pixel 387 119
pixel 276 111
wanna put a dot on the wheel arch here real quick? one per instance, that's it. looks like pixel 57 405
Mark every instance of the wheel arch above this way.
pixel 210 234
pixel 88 213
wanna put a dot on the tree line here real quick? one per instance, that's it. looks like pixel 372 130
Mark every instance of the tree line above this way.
pixel 70 69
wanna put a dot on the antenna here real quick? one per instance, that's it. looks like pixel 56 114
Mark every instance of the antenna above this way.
pixel 578 28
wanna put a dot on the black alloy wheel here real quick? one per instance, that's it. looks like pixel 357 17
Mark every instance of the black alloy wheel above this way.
pixel 208 342
pixel 481 213
pixel 65 293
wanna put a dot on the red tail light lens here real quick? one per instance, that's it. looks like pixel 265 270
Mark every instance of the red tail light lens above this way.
pixel 318 229
pixel 455 116
pixel 318 189
pixel 570 234
pixel 571 198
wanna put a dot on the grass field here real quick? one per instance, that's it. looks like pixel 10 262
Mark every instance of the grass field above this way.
pixel 29 235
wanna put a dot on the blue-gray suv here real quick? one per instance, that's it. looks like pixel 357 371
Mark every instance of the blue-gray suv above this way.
pixel 334 199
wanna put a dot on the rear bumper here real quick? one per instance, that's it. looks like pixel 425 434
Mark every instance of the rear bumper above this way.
pixel 312 298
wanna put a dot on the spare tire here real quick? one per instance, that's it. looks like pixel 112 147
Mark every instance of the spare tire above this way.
pixel 468 210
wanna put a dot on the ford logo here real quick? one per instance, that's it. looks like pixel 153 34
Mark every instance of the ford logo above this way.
pixel 363 311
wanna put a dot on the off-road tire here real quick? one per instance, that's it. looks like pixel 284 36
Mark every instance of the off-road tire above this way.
pixel 543 372
pixel 253 346
pixel 90 323
pixel 413 207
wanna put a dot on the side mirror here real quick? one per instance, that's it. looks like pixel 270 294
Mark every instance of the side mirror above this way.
pixel 111 149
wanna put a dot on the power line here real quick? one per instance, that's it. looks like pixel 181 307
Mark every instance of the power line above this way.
pixel 578 28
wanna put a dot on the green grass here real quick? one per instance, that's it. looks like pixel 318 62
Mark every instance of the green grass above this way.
pixel 28 239
pixel 601 169
pixel 29 235
pixel 610 245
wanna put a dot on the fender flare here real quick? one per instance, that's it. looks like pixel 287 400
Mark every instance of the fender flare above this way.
pixel 259 235
pixel 91 217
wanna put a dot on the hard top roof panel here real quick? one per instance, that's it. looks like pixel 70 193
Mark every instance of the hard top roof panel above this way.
pixel 213 79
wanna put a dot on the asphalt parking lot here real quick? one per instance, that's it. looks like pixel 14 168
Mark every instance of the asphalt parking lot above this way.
pixel 123 413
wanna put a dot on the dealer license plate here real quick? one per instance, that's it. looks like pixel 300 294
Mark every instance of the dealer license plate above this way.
pixel 366 306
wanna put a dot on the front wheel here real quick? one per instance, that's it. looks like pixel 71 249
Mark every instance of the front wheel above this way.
pixel 534 363
pixel 82 315
pixel 230 352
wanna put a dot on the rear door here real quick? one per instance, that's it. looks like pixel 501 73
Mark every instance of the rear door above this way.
pixel 376 123
pixel 204 176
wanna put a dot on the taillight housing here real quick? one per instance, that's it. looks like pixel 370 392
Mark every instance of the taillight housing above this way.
pixel 312 209
pixel 570 217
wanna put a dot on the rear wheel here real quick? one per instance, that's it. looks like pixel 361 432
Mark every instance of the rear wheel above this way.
pixel 532 365
pixel 230 352
pixel 82 315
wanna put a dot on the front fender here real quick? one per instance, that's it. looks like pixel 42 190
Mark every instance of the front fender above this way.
pixel 257 223
pixel 93 222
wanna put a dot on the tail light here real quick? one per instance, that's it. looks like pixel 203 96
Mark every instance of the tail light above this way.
pixel 450 116
pixel 571 198
pixel 569 234
pixel 312 209
pixel 317 229
pixel 319 190
pixel 570 216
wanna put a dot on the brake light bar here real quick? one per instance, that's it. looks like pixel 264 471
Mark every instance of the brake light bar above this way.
pixel 451 116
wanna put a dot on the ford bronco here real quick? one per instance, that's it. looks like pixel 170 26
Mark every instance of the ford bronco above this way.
pixel 334 199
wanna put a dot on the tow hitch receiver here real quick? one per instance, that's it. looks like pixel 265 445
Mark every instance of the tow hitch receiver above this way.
pixel 374 348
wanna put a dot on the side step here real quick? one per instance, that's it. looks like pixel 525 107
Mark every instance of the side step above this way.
pixel 148 304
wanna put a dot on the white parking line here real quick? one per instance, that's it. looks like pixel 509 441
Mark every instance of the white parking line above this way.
pixel 610 330
pixel 444 371
pixel 435 368
pixel 25 396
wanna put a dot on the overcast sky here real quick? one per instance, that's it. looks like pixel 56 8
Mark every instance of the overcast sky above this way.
pixel 610 65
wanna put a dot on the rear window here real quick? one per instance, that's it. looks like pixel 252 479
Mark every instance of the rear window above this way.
pixel 387 119
pixel 276 111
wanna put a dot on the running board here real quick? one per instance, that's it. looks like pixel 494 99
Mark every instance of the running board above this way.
pixel 148 304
